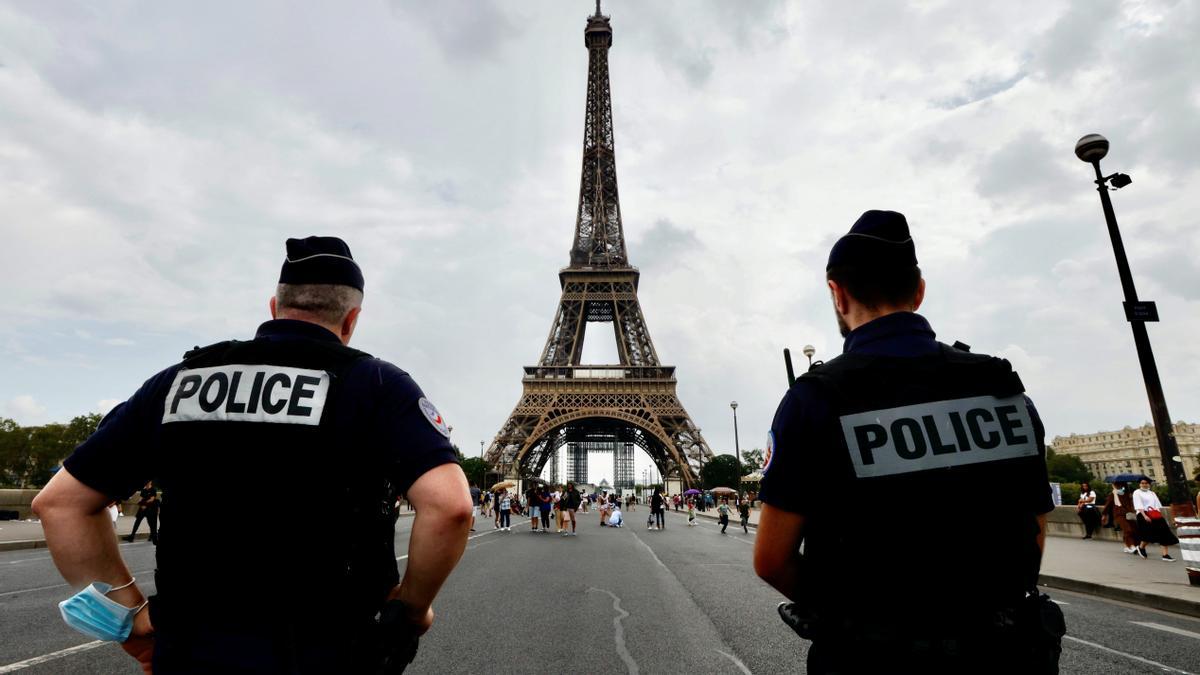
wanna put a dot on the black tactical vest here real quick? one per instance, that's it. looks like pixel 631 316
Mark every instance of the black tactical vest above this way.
pixel 270 497
pixel 914 521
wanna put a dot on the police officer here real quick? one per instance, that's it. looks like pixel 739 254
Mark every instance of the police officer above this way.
pixel 900 423
pixel 293 409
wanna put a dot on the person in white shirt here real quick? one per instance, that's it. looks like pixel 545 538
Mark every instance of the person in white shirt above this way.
pixel 1087 510
pixel 1152 524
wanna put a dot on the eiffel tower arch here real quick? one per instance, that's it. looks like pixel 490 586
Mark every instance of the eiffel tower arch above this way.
pixel 574 407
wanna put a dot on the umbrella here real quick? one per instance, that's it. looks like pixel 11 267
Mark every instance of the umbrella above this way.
pixel 503 484
pixel 693 491
pixel 723 491
pixel 1127 478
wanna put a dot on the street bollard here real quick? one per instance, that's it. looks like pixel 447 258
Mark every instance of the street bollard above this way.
pixel 1189 547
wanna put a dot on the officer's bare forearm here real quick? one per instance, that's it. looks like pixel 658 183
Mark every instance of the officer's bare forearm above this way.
pixel 435 546
pixel 80 536
pixel 777 550
pixel 1041 536
pixel 439 533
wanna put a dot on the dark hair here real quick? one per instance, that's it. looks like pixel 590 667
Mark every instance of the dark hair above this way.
pixel 876 286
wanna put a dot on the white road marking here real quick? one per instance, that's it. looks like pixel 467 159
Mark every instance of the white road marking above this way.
pixel 21 665
pixel 619 630
pixel 1169 629
pixel 23 560
pixel 474 536
pixel 30 590
pixel 1139 659
pixel 1059 602
pixel 482 543
pixel 736 661
pixel 650 551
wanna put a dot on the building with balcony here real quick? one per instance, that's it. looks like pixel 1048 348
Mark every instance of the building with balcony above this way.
pixel 1131 450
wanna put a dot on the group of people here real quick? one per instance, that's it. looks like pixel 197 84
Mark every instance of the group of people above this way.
pixel 1138 514
pixel 539 503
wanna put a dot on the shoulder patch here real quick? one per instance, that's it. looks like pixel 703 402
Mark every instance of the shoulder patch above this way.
pixel 435 418
pixel 769 452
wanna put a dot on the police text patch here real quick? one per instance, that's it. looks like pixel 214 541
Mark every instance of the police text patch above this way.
pixel 938 435
pixel 247 393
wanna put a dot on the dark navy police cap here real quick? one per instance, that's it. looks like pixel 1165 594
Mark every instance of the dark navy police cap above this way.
pixel 320 260
pixel 878 239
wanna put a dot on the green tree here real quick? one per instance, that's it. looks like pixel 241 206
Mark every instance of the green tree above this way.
pixel 722 471
pixel 1066 468
pixel 752 460
pixel 476 469
pixel 28 455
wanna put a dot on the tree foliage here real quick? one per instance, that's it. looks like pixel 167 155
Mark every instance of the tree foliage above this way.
pixel 752 460
pixel 475 468
pixel 28 455
pixel 723 471
pixel 1066 468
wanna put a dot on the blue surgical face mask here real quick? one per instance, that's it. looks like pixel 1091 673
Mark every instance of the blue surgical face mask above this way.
pixel 93 613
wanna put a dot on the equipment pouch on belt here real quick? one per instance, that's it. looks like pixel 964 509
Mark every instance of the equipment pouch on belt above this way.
pixel 397 641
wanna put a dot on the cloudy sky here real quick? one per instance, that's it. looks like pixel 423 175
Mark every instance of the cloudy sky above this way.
pixel 155 155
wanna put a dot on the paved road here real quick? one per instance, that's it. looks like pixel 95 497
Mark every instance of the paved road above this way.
pixel 606 601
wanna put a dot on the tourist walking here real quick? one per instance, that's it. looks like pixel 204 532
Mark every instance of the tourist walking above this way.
pixel 476 499
pixel 723 514
pixel 569 505
pixel 1151 523
pixel 545 502
pixel 533 498
pixel 1120 514
pixel 1086 507
pixel 691 511
pixel 504 512
pixel 744 512
pixel 657 505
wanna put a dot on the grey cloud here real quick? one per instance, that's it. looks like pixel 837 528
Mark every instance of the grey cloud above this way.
pixel 1073 42
pixel 1026 170
pixel 979 90
pixel 465 30
pixel 664 243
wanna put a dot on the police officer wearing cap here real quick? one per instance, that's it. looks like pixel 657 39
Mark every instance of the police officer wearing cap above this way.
pixel 294 410
pixel 901 422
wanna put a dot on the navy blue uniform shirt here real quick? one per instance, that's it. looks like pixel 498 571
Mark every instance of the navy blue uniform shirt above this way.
pixel 804 411
pixel 380 407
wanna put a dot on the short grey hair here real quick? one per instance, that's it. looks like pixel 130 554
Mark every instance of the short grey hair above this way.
pixel 329 303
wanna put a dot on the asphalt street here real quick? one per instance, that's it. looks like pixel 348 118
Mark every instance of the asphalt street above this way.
pixel 606 601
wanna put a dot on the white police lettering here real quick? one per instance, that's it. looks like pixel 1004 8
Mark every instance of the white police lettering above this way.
pixel 939 434
pixel 247 393
pixel 435 418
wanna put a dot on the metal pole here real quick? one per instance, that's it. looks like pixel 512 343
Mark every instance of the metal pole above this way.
pixel 736 447
pixel 1181 499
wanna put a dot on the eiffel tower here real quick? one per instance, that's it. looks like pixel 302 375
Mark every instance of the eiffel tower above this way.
pixel 607 408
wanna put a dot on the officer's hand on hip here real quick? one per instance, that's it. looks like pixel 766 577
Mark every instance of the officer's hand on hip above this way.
pixel 140 644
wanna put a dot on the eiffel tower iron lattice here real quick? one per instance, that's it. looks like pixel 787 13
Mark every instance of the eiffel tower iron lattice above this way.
pixel 565 403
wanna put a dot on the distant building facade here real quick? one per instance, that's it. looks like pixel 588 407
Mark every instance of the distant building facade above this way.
pixel 1131 450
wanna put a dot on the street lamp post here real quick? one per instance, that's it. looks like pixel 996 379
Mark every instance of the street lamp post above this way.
pixel 737 450
pixel 1091 149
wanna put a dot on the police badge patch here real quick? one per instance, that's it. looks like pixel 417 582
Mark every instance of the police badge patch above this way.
pixel 769 452
pixel 435 418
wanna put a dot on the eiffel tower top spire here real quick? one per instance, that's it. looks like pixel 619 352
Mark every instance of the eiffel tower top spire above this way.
pixel 599 234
